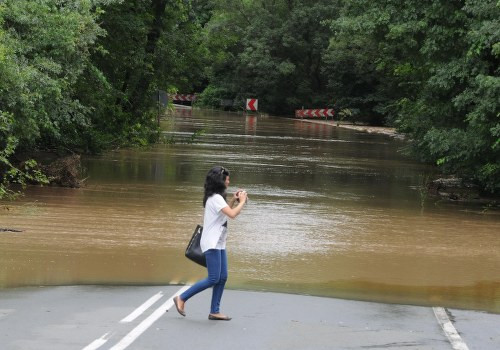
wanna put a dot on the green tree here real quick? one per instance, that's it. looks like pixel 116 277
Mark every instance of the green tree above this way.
pixel 149 45
pixel 436 72
pixel 80 76
pixel 271 50
pixel 44 47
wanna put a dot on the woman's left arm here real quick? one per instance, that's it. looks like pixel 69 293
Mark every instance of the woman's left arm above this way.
pixel 233 200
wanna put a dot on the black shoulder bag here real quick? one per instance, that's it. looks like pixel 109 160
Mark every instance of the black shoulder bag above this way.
pixel 193 250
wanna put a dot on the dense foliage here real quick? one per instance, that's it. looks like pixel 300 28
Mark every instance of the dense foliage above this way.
pixel 45 46
pixel 430 68
pixel 436 77
pixel 80 75
pixel 272 50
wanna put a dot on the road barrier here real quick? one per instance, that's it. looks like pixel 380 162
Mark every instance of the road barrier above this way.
pixel 314 113
pixel 182 97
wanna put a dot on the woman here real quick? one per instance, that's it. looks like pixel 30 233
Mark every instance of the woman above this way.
pixel 213 240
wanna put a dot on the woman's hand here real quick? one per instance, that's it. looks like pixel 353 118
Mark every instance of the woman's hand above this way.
pixel 234 199
pixel 235 195
pixel 242 196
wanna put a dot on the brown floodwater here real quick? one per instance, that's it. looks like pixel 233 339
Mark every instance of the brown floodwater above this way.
pixel 332 212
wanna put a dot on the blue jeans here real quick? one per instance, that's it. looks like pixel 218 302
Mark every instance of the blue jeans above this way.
pixel 217 277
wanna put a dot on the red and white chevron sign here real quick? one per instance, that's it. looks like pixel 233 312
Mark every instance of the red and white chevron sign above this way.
pixel 182 97
pixel 252 104
pixel 314 113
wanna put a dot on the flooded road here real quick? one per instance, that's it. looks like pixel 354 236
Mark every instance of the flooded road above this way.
pixel 332 212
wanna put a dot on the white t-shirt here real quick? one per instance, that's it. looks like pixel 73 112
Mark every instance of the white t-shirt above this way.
pixel 214 224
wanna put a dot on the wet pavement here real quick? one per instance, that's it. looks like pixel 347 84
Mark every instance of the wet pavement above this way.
pixel 134 317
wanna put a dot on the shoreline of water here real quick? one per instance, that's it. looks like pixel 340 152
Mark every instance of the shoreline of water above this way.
pixel 383 130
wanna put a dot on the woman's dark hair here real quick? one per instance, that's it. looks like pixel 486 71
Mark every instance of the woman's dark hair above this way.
pixel 215 183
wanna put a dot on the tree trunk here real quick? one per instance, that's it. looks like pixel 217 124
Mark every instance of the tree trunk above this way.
pixel 138 95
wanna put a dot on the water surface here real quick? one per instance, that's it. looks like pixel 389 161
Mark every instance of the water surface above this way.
pixel 332 212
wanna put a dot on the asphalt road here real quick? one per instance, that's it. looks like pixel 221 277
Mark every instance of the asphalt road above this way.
pixel 98 317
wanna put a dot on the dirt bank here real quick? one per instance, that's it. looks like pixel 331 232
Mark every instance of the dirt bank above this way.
pixel 364 128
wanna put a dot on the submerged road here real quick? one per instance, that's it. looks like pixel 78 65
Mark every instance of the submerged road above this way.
pixel 131 317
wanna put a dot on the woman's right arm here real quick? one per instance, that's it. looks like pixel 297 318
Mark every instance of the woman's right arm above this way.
pixel 234 212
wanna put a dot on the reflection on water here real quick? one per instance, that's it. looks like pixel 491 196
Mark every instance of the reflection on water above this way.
pixel 332 212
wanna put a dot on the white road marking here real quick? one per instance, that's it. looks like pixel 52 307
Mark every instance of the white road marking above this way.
pixel 144 325
pixel 97 343
pixel 137 312
pixel 451 333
